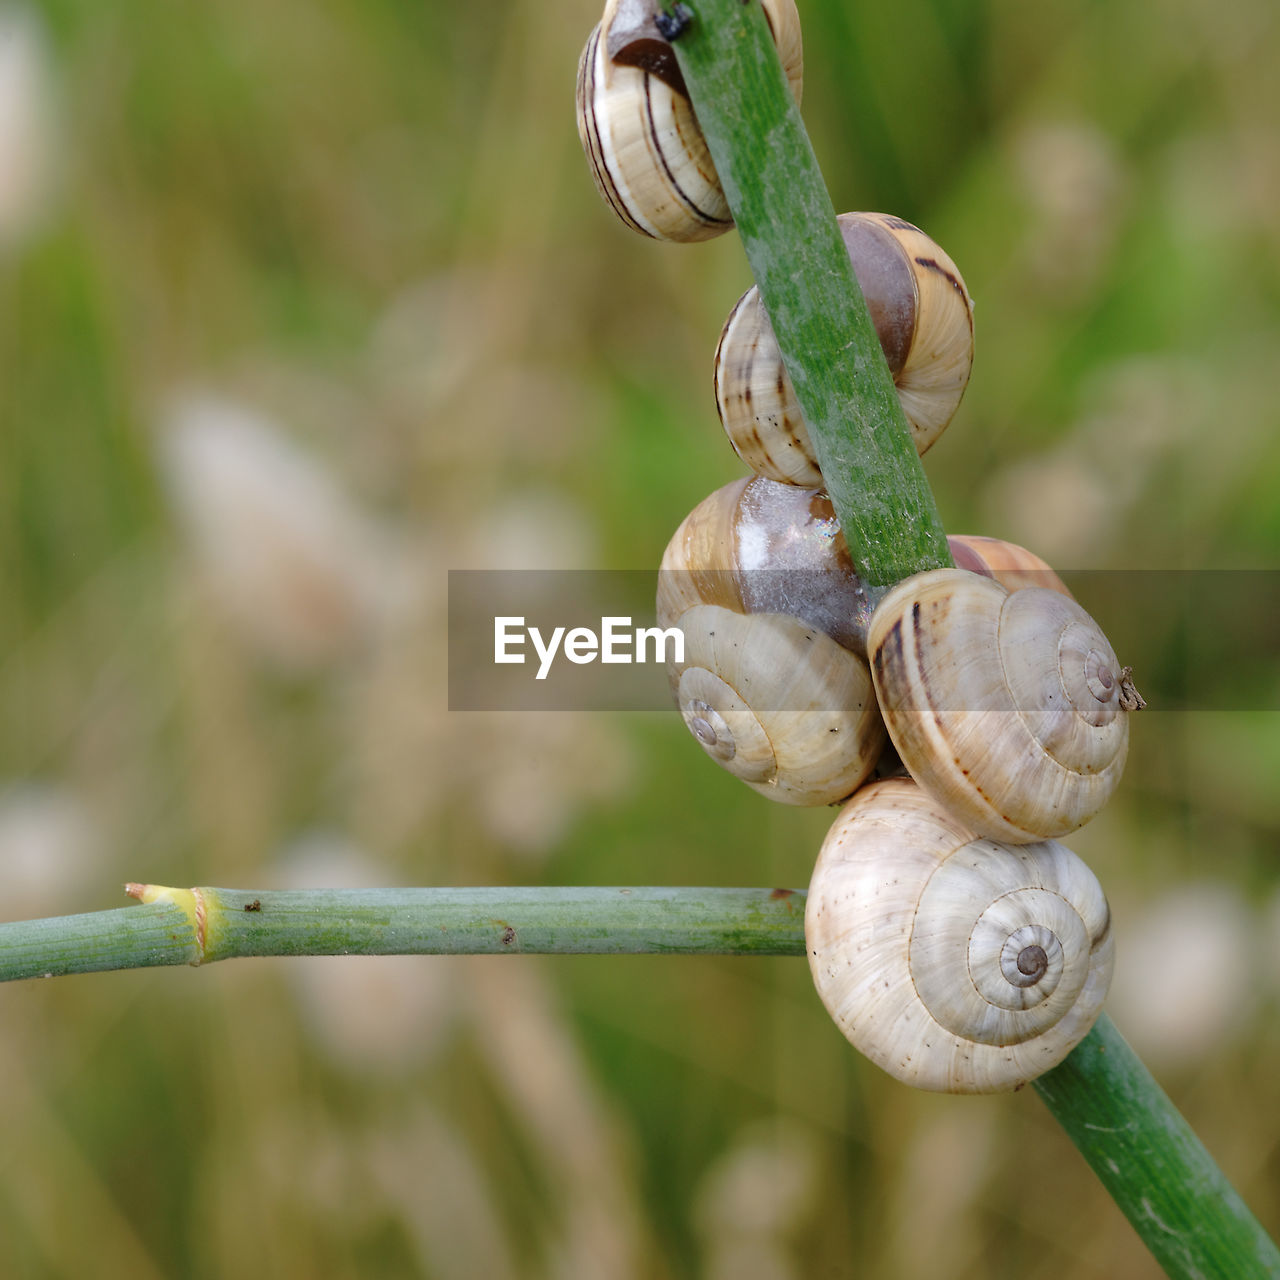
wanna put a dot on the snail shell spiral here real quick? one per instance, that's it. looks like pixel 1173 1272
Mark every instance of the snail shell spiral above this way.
pixel 923 316
pixel 647 155
pixel 1006 706
pixel 955 963
pixel 777 704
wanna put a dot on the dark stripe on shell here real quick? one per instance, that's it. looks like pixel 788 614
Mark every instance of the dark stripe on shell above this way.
pixel 600 171
pixel 686 200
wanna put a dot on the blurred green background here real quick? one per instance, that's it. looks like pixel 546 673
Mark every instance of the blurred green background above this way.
pixel 305 304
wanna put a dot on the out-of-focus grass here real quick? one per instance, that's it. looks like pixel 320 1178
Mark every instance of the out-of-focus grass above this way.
pixel 367 230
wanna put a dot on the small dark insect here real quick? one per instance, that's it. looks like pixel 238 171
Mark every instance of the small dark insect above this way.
pixel 671 26
pixel 255 905
pixel 508 936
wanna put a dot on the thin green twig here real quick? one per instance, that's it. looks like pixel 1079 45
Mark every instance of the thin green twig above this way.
pixel 1150 1160
pixel 199 926
pixel 788 229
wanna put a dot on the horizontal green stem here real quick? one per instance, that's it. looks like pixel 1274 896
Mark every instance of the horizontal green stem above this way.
pixel 197 926
pixel 1152 1163
pixel 806 281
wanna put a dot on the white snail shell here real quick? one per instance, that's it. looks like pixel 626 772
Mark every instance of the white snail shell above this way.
pixel 1008 707
pixel 647 154
pixel 769 695
pixel 924 318
pixel 955 963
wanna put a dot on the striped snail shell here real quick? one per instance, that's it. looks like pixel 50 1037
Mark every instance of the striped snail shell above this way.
pixel 955 963
pixel 924 318
pixel 1010 708
pixel 769 695
pixel 647 154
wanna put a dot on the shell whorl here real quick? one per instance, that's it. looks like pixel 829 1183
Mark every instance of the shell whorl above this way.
pixel 924 319
pixel 647 155
pixel 779 705
pixel 1006 706
pixel 954 962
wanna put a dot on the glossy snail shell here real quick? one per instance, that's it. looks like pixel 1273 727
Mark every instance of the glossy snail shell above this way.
pixel 757 546
pixel 647 154
pixel 953 962
pixel 759 585
pixel 922 314
pixel 1008 707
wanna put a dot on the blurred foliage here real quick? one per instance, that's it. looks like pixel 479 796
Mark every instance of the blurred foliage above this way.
pixel 363 236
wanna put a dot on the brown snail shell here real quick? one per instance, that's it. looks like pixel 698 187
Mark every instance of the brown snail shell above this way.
pixel 924 318
pixel 647 155
pixel 1009 708
pixel 956 963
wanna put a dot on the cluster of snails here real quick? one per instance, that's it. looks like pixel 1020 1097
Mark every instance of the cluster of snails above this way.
pixel 952 939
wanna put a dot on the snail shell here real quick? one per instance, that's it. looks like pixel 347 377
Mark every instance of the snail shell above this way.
pixel 759 581
pixel 1009 564
pixel 777 704
pixel 647 154
pixel 757 546
pixel 1006 706
pixel 922 314
pixel 955 963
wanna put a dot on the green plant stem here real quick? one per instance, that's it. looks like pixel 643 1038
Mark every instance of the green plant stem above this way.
pixel 1152 1163
pixel 828 342
pixel 1147 1156
pixel 198 926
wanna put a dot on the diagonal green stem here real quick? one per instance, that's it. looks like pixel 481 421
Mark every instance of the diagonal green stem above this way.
pixel 1158 1171
pixel 1150 1160
pixel 797 255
